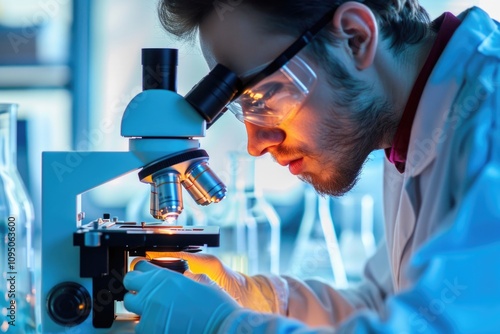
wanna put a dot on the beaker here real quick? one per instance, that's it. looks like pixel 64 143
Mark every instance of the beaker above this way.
pixel 17 287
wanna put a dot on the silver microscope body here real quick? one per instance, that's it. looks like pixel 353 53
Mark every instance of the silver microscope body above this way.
pixel 84 262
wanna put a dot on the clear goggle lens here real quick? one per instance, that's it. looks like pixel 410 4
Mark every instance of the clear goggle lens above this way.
pixel 272 99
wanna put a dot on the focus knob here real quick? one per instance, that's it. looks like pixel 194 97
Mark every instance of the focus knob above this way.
pixel 68 304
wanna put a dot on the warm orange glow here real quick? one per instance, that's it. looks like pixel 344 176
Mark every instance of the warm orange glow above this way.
pixel 166 259
pixel 256 96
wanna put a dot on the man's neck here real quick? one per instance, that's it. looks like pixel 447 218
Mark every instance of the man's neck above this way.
pixel 399 73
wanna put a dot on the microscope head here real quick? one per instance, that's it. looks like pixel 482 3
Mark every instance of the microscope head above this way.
pixel 159 119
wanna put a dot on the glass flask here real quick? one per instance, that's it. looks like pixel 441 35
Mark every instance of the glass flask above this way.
pixel 359 216
pixel 249 225
pixel 355 213
pixel 316 251
pixel 17 301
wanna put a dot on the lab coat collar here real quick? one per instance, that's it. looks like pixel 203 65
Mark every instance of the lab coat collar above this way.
pixel 428 129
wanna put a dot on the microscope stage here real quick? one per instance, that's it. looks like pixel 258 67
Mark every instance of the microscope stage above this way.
pixel 146 236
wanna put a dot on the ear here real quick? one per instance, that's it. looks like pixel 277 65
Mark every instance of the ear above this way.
pixel 355 24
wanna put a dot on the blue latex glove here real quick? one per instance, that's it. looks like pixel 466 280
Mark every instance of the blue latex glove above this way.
pixel 169 302
pixel 259 293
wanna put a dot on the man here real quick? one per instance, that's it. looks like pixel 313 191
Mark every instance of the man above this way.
pixel 363 76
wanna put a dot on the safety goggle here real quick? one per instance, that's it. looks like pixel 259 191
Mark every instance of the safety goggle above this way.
pixel 282 87
pixel 271 100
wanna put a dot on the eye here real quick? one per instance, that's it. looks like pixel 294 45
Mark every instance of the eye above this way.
pixel 272 90
pixel 280 98
pixel 250 104
pixel 258 100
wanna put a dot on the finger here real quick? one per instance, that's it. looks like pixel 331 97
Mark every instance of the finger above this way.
pixel 205 264
pixel 135 261
pixel 145 266
pixel 200 263
pixel 155 318
pixel 131 280
pixel 135 280
pixel 133 303
pixel 200 278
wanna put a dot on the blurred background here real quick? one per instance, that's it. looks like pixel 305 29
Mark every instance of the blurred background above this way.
pixel 73 66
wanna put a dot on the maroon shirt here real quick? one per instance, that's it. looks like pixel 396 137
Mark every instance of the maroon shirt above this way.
pixel 447 24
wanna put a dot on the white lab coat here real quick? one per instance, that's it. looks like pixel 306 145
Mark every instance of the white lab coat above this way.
pixel 439 270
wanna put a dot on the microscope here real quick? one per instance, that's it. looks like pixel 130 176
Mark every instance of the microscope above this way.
pixel 84 260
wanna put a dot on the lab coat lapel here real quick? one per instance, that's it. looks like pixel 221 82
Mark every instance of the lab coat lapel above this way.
pixel 428 127
pixel 400 210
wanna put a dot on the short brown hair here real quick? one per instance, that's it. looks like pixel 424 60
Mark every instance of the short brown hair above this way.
pixel 404 22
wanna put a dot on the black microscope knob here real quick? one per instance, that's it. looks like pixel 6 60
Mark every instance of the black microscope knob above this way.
pixel 68 303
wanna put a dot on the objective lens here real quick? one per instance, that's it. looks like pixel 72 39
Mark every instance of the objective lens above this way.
pixel 166 196
pixel 153 201
pixel 203 185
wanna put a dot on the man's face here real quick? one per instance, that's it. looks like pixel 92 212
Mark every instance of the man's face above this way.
pixel 328 139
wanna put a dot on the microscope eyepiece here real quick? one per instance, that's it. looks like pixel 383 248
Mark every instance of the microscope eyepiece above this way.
pixel 211 95
pixel 159 69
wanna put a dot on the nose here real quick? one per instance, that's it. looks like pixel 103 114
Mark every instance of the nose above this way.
pixel 261 138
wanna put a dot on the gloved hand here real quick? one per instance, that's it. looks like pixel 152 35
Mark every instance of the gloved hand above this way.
pixel 259 293
pixel 168 302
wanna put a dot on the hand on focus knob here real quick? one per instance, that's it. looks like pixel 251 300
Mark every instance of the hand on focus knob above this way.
pixel 253 292
pixel 168 302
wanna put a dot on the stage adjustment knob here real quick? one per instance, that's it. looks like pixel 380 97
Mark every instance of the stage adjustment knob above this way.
pixel 68 303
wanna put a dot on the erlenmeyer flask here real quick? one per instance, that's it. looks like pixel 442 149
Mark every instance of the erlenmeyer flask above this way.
pixel 316 250
pixel 355 215
pixel 17 300
pixel 249 225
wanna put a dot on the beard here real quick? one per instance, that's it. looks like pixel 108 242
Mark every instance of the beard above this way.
pixel 348 147
pixel 345 139
pixel 357 123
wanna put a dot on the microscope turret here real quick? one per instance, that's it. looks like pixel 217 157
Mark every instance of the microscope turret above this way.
pixel 83 263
